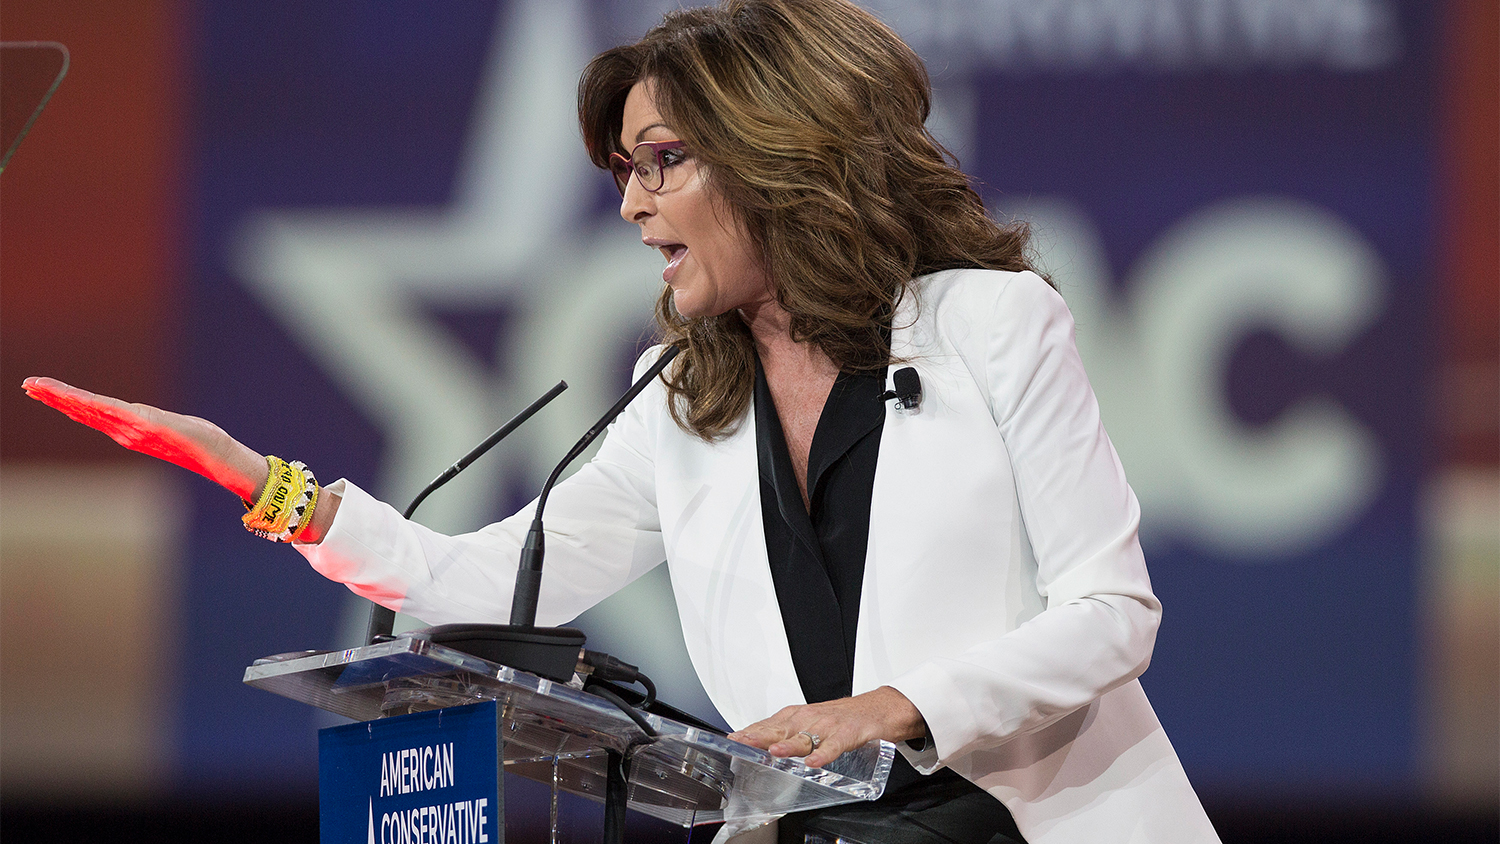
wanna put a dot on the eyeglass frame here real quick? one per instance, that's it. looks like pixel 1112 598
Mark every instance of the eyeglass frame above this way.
pixel 657 148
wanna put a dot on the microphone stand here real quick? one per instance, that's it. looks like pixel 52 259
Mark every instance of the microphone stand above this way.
pixel 554 652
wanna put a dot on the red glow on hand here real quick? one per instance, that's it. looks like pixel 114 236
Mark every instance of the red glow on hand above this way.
pixel 190 442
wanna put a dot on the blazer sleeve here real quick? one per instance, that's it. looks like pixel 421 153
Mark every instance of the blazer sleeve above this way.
pixel 1099 624
pixel 602 532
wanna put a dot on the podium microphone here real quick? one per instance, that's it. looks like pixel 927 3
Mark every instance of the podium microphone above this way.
pixel 557 652
pixel 383 620
pixel 523 615
pixel 529 575
pixel 552 652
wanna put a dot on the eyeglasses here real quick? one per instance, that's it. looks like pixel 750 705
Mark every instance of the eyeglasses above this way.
pixel 648 161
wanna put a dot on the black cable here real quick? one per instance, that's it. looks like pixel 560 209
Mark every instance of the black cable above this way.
pixel 635 698
pixel 616 796
pixel 650 690
pixel 606 667
pixel 637 717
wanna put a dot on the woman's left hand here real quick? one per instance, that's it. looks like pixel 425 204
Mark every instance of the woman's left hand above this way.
pixel 840 725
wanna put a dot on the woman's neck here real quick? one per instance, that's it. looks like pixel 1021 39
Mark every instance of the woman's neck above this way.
pixel 771 329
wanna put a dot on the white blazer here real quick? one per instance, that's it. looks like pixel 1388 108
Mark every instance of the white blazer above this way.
pixel 1004 592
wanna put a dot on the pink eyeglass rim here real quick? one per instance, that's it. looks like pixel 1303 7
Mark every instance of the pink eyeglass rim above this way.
pixel 657 148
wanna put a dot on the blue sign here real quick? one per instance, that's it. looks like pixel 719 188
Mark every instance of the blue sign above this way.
pixel 413 779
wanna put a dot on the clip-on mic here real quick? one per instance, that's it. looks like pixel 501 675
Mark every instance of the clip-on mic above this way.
pixel 908 389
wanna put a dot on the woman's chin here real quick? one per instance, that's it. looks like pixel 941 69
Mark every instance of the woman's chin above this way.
pixel 687 306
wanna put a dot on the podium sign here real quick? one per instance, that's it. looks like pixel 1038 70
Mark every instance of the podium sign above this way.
pixel 428 776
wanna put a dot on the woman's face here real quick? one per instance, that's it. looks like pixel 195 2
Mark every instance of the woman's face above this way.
pixel 711 264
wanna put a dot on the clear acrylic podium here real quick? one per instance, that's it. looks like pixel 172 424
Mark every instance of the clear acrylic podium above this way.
pixel 563 737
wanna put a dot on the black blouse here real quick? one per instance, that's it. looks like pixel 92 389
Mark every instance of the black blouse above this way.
pixel 817 553
pixel 817 559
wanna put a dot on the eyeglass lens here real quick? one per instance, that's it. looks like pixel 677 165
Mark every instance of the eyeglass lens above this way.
pixel 644 162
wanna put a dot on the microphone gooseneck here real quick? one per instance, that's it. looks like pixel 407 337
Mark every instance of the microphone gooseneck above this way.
pixel 529 573
pixel 463 462
pixel 558 653
pixel 383 620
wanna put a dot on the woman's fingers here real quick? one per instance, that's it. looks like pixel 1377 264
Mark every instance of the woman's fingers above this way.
pixel 818 734
pixel 135 426
pixel 779 734
pixel 70 400
pixel 118 420
pixel 821 732
pixel 121 421
pixel 819 748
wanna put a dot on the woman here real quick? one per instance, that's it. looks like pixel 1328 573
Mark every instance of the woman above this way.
pixel 962 577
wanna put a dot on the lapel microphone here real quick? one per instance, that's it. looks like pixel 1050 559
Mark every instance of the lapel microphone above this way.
pixel 908 389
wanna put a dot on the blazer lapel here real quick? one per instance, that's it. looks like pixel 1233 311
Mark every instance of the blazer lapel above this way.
pixel 940 525
pixel 709 500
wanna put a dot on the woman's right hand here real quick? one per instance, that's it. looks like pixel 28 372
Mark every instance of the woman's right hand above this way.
pixel 192 443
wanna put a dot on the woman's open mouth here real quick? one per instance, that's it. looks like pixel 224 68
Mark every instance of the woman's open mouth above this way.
pixel 674 253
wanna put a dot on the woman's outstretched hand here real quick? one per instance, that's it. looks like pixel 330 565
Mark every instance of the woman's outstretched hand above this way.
pixel 192 443
pixel 839 725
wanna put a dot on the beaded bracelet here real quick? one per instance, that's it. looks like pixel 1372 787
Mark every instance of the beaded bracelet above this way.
pixel 312 503
pixel 284 507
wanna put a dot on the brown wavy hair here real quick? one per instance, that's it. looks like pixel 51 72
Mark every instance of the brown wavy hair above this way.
pixel 808 117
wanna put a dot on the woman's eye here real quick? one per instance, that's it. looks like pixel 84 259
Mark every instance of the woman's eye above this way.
pixel 670 157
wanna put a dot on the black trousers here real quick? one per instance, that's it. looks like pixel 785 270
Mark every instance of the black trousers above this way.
pixel 941 809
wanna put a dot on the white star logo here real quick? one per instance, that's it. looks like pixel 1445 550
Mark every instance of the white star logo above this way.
pixel 348 283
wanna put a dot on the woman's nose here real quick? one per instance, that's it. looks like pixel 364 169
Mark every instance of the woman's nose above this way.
pixel 637 203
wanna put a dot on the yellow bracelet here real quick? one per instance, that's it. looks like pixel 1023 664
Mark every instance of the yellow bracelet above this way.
pixel 274 511
pixel 275 465
pixel 278 507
